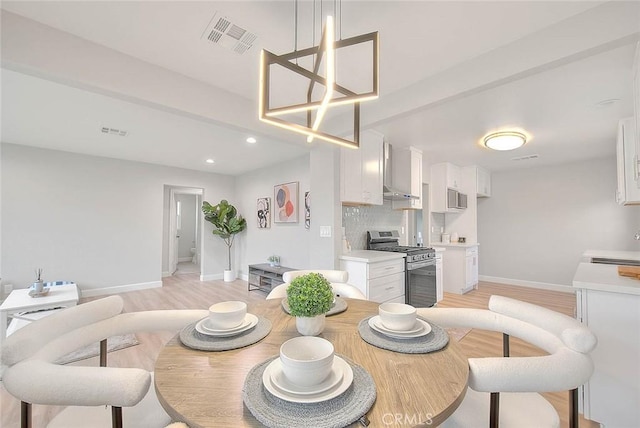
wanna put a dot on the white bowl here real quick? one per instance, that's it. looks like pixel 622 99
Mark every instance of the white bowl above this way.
pixel 306 360
pixel 227 315
pixel 397 316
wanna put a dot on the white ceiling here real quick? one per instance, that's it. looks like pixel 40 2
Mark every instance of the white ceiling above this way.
pixel 450 72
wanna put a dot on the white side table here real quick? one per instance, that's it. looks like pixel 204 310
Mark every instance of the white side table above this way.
pixel 20 301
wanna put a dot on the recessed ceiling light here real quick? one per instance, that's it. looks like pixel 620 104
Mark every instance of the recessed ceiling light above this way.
pixel 251 140
pixel 504 140
pixel 210 161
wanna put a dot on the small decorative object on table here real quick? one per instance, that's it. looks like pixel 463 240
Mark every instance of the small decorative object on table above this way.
pixel 37 288
pixel 310 297
pixel 274 261
pixel 38 284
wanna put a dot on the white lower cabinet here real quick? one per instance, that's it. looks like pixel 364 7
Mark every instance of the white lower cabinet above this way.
pixel 461 274
pixel 379 281
pixel 439 277
pixel 612 394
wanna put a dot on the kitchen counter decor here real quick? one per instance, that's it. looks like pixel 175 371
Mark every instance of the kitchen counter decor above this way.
pixel 340 411
pixel 191 338
pixel 340 305
pixel 435 340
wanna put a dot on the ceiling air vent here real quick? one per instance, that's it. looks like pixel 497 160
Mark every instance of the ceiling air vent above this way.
pixel 524 158
pixel 224 32
pixel 113 131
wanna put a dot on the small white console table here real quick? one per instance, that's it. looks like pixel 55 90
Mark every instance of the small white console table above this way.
pixel 20 302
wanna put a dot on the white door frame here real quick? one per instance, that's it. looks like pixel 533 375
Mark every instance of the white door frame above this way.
pixel 173 233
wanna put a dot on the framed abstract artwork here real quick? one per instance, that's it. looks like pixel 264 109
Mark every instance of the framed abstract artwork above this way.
pixel 263 212
pixel 285 198
pixel 307 210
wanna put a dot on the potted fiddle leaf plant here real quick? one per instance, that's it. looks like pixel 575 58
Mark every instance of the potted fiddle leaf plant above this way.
pixel 310 297
pixel 227 224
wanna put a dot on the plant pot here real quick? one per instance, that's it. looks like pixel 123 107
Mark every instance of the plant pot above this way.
pixel 229 275
pixel 310 326
pixel 38 286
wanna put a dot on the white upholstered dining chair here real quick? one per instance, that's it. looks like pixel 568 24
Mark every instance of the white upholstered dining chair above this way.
pixel 33 377
pixel 337 278
pixel 505 390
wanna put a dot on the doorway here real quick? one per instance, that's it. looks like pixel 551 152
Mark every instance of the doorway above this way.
pixel 183 232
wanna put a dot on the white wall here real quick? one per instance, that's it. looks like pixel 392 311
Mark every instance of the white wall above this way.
pixel 96 221
pixel 290 241
pixel 539 221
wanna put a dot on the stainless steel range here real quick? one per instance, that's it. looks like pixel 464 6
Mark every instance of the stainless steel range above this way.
pixel 420 267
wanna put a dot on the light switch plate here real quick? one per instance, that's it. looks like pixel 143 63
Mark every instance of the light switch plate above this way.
pixel 325 231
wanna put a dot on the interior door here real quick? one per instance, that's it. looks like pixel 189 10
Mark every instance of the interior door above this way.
pixel 173 234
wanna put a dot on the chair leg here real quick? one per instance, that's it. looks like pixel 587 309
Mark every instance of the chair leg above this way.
pixel 103 353
pixel 25 415
pixel 505 345
pixel 494 410
pixel 574 420
pixel 116 417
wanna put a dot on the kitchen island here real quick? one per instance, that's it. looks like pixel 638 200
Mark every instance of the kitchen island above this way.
pixel 609 305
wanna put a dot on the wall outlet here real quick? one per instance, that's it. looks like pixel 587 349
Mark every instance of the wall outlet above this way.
pixel 325 231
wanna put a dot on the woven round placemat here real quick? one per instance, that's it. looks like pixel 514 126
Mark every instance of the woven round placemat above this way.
pixel 339 306
pixel 434 341
pixel 190 337
pixel 338 412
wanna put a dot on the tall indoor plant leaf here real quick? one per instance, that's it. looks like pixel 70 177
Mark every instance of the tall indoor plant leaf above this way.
pixel 226 222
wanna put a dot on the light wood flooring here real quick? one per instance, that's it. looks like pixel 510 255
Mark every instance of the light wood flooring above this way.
pixel 188 292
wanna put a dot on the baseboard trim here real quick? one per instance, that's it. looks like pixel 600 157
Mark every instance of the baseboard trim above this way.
pixel 93 292
pixel 166 274
pixel 244 276
pixel 529 284
pixel 184 259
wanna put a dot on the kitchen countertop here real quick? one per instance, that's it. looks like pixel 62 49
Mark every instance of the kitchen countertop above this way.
pixel 371 256
pixel 439 249
pixel 454 245
pixel 609 254
pixel 601 277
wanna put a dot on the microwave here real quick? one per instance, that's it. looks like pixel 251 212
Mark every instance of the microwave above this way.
pixel 456 200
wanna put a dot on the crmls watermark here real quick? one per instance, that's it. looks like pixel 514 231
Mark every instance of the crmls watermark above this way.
pixel 407 419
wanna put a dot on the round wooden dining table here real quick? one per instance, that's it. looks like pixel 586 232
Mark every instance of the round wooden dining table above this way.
pixel 204 389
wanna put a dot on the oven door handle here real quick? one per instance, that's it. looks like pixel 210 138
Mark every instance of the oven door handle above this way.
pixel 422 264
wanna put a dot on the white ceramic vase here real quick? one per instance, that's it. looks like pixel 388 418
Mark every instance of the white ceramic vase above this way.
pixel 229 276
pixel 310 326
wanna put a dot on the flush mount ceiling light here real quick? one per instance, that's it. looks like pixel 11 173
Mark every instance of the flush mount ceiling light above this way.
pixel 210 161
pixel 334 94
pixel 505 140
pixel 251 140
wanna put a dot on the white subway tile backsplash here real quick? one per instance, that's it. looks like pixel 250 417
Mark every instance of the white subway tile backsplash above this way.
pixel 358 220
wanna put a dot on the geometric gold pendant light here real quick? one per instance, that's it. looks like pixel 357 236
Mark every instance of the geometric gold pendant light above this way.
pixel 322 73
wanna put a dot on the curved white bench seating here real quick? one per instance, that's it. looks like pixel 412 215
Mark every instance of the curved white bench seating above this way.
pixel 34 378
pixel 520 379
pixel 337 278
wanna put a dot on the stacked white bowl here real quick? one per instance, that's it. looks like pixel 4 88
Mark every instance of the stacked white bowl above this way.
pixel 306 360
pixel 397 316
pixel 227 315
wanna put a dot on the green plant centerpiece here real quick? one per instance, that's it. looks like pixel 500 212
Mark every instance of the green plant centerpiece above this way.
pixel 310 297
pixel 227 224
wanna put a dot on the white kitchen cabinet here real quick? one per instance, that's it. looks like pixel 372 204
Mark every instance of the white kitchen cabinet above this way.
pixel 439 277
pixel 379 281
pixel 471 270
pixel 628 164
pixel 461 274
pixel 444 176
pixel 407 175
pixel 609 305
pixel 483 182
pixel 361 171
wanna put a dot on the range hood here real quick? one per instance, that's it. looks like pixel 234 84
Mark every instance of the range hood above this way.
pixel 389 192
